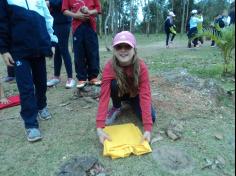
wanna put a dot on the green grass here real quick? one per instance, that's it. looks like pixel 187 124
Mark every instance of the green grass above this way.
pixel 72 132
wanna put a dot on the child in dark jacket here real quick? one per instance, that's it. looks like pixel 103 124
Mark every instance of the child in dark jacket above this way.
pixel 26 38
pixel 170 28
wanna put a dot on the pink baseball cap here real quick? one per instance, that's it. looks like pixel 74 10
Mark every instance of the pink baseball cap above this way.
pixel 124 37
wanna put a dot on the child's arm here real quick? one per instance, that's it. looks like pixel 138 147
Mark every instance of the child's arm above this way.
pixel 49 24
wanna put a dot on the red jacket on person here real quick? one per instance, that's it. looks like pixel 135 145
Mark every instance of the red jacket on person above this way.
pixel 75 5
pixel 144 92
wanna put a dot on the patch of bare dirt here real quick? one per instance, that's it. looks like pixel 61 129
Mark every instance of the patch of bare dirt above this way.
pixel 173 160
pixel 175 98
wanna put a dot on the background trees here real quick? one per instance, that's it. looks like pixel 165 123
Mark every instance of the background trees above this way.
pixel 148 16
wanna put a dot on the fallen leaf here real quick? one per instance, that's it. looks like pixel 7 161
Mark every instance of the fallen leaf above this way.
pixel 64 104
pixel 219 136
pixel 157 138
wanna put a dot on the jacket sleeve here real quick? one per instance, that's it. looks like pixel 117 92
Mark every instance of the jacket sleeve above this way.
pixel 145 97
pixel 49 24
pixel 4 28
pixel 168 23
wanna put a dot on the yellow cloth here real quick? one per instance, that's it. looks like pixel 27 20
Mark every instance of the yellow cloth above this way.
pixel 126 139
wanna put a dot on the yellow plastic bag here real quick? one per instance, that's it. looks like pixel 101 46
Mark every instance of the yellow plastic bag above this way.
pixel 126 139
pixel 172 30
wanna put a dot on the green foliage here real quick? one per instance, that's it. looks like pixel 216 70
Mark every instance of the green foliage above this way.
pixel 225 42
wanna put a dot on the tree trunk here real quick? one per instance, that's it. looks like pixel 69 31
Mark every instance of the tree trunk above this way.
pixel 187 10
pixel 106 27
pixel 131 16
pixel 182 21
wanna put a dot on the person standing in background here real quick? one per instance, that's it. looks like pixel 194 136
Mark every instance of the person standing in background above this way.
pixel 61 26
pixel 193 22
pixel 200 27
pixel 85 39
pixel 170 28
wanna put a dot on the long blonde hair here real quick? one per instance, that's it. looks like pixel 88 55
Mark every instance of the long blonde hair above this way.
pixel 127 85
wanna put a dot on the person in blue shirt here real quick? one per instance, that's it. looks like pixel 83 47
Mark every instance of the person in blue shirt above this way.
pixel 193 23
pixel 26 38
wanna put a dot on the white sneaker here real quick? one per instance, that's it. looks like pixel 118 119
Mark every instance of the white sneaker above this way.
pixel 70 83
pixel 53 82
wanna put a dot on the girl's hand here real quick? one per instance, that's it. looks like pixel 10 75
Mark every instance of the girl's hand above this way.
pixel 146 136
pixel 102 135
pixel 81 16
pixel 8 59
pixel 4 101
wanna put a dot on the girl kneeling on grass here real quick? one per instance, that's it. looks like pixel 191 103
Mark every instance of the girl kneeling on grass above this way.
pixel 125 78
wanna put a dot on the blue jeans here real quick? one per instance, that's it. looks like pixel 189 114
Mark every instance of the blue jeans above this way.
pixel 62 31
pixel 86 52
pixel 31 81
pixel 133 101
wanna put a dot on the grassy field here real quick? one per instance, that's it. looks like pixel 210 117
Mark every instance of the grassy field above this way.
pixel 208 130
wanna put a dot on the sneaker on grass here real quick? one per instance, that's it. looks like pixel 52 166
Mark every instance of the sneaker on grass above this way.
pixel 95 82
pixel 33 134
pixel 53 82
pixel 70 83
pixel 44 114
pixel 112 115
pixel 81 84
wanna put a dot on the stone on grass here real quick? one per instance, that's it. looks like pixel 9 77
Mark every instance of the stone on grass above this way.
pixel 81 166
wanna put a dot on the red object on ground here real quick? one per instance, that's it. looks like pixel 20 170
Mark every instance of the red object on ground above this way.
pixel 14 101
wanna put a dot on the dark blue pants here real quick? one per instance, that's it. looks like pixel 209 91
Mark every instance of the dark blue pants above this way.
pixel 133 101
pixel 10 71
pixel 216 33
pixel 191 34
pixel 62 31
pixel 86 52
pixel 31 81
pixel 168 37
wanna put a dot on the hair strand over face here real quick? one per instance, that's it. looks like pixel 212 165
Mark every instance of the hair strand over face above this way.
pixel 127 85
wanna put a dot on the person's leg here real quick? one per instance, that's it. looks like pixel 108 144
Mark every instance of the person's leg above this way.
pixel 10 72
pixel 195 40
pixel 212 41
pixel 63 32
pixel 116 100
pixel 189 38
pixel 92 52
pixel 79 53
pixel 28 101
pixel 57 62
pixel 167 38
pixel 172 38
pixel 39 74
pixel 135 104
